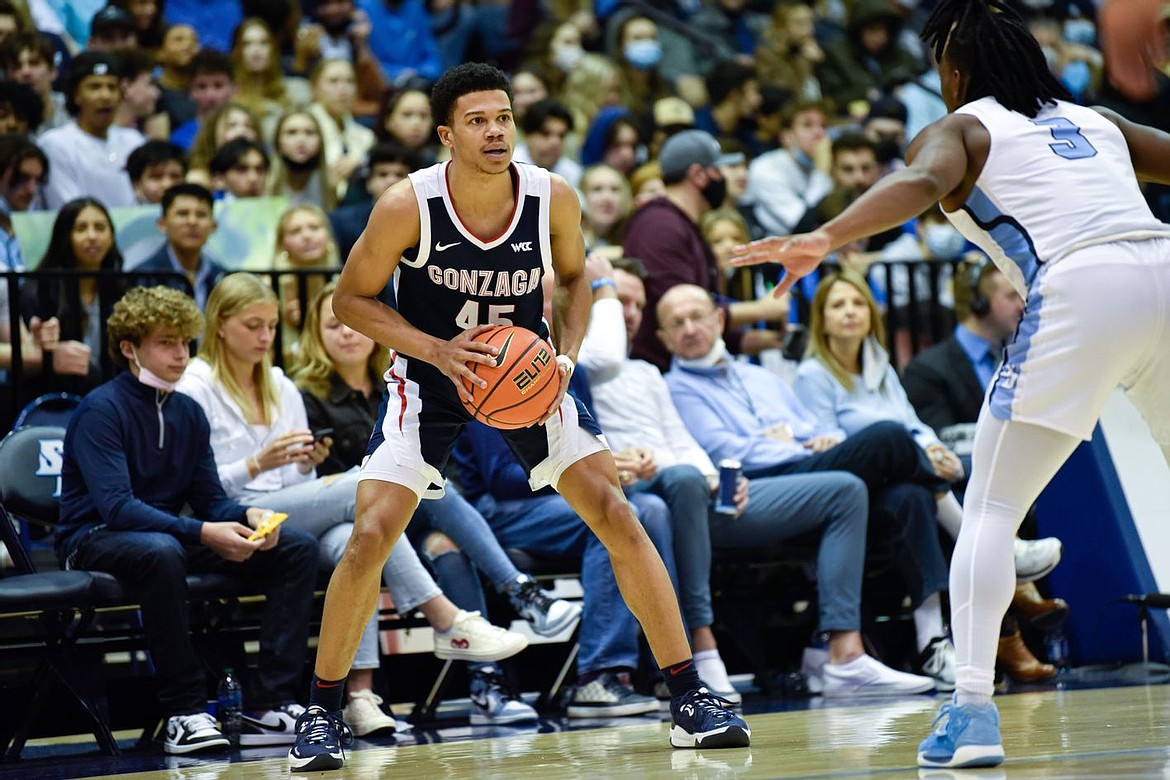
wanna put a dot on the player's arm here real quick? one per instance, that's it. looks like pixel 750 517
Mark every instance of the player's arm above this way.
pixel 938 162
pixel 936 166
pixel 1149 148
pixel 393 228
pixel 572 297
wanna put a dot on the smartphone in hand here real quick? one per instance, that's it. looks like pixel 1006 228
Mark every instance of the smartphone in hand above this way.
pixel 321 433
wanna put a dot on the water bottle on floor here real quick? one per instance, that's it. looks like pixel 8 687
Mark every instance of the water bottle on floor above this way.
pixel 231 707
pixel 1056 645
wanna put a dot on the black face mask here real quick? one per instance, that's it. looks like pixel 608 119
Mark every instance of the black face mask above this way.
pixel 302 167
pixel 887 150
pixel 715 193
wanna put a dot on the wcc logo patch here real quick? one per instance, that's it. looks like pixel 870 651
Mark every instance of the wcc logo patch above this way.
pixel 49 461
pixel 521 246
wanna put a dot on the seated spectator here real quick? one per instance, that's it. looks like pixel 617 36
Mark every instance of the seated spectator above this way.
pixel 664 234
pixel 607 205
pixel 139 107
pixel 405 118
pixel 212 83
pixel 593 83
pixel 239 169
pixel 869 61
pixel 266 453
pixel 543 523
pixel 387 163
pixel 638 52
pixel 154 168
pixel 136 454
pixel 187 221
pixel 24 169
pixel 345 35
pixel 746 413
pixel 298 171
pixel 226 123
pixel 635 409
pixel 787 52
pixel 82 240
pixel 545 125
pixel 180 44
pixel 28 58
pixel 303 242
pixel 149 25
pixel 885 125
pixel 345 142
pixel 402 41
pixel 785 183
pixel 646 183
pixel 733 89
pixel 260 84
pixel 111 29
pixel 614 139
pixel 847 382
pixel 529 86
pixel 88 154
pixel 21 111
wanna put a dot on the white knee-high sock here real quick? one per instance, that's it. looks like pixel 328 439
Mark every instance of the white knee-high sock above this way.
pixel 1011 464
pixel 950 514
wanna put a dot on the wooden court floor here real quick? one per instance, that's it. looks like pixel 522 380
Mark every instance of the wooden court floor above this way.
pixel 1097 733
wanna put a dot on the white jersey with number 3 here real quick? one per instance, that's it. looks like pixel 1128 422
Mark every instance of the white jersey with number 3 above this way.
pixel 1051 185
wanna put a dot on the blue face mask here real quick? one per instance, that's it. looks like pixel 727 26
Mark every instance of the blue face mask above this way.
pixel 1076 76
pixel 943 242
pixel 1080 31
pixel 644 54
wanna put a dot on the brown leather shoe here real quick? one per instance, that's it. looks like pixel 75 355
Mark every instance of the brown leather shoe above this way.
pixel 1036 611
pixel 1017 661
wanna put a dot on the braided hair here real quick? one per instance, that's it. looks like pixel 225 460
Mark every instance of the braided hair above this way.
pixel 989 42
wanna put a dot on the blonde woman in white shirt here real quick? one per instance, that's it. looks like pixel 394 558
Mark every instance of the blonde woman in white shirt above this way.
pixel 263 448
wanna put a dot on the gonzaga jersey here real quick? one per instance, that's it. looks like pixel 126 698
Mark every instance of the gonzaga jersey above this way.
pixel 452 280
pixel 1053 184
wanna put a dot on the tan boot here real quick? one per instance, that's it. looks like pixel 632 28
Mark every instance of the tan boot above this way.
pixel 1036 611
pixel 1017 661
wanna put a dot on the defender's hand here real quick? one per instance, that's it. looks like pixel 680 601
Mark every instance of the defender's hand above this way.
pixel 799 255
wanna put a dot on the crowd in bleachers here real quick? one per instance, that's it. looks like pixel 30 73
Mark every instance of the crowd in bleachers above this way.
pixel 686 127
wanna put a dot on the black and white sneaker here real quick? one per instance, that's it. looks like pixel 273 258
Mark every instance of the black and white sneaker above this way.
pixel 189 733
pixel 320 739
pixel 547 615
pixel 277 726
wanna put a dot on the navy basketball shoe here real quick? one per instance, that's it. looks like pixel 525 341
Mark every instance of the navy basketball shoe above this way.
pixel 700 719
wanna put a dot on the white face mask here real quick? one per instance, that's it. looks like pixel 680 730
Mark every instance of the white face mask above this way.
pixel 567 57
pixel 151 379
pixel 711 359
pixel 943 242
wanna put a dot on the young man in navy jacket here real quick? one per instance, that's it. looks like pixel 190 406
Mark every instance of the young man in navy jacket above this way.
pixel 136 455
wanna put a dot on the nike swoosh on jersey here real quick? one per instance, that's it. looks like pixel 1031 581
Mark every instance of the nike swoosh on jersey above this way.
pixel 440 246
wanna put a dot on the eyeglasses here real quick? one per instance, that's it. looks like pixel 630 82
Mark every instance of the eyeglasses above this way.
pixel 675 324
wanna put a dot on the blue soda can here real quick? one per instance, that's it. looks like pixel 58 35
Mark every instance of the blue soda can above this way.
pixel 728 483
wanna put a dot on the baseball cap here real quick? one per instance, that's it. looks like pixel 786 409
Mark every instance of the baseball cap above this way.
pixel 91 63
pixel 110 19
pixel 682 150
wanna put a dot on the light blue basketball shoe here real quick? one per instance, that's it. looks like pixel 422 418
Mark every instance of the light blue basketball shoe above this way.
pixel 964 735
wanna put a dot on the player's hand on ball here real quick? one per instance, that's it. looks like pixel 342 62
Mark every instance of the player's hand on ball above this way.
pixel 451 357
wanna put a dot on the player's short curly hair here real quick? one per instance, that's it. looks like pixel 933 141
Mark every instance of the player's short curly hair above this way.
pixel 143 310
pixel 463 80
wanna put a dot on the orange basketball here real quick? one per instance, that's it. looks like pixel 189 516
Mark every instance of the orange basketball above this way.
pixel 521 385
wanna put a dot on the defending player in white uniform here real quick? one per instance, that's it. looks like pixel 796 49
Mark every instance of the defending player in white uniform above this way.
pixel 1050 191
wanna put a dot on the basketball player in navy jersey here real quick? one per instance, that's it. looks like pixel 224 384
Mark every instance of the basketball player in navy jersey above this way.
pixel 465 244
pixel 1049 190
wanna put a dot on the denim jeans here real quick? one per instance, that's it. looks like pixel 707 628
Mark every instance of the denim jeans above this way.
pixel 688 498
pixel 833 503
pixel 326 509
pixel 454 516
pixel 547 525
pixel 154 567
pixel 902 507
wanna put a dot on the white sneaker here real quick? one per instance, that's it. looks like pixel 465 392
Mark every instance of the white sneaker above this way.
pixel 277 726
pixel 1035 558
pixel 866 676
pixel 938 663
pixel 471 638
pixel 812 666
pixel 713 673
pixel 188 733
pixel 363 714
